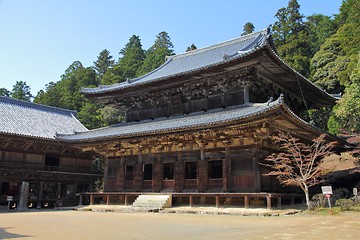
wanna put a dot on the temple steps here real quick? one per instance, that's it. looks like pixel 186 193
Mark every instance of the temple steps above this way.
pixel 151 202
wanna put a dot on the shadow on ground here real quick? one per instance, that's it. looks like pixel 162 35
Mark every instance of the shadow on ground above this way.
pixel 4 234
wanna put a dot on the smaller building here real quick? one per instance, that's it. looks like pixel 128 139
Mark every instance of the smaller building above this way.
pixel 30 152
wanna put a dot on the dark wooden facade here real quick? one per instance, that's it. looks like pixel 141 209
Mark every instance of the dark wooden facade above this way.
pixel 203 121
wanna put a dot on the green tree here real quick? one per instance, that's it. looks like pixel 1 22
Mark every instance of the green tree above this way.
pixel 333 63
pixel 191 48
pixel 320 28
pixel 132 57
pixel 290 36
pixel 248 28
pixel 103 62
pixel 21 91
pixel 4 92
pixel 156 54
pixel 347 111
pixel 50 96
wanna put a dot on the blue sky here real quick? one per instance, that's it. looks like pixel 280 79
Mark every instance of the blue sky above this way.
pixel 40 39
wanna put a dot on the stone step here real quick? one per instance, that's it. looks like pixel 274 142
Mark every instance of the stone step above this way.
pixel 151 202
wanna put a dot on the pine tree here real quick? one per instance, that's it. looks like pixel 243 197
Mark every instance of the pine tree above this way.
pixel 21 91
pixel 156 54
pixel 191 48
pixel 248 28
pixel 103 62
pixel 290 36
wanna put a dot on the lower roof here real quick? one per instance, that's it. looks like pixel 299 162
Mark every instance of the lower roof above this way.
pixel 212 118
pixel 28 119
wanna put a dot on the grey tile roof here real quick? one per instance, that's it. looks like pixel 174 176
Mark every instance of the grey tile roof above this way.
pixel 171 124
pixel 35 120
pixel 194 60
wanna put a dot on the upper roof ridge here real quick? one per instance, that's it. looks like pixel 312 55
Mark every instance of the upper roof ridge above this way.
pixel 219 45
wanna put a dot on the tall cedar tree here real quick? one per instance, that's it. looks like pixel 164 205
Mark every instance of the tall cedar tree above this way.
pixel 248 28
pixel 290 36
pixel 297 163
pixel 156 54
pixel 132 58
pixel 103 62
pixel 21 91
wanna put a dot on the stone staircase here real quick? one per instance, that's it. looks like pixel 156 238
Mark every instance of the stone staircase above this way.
pixel 152 202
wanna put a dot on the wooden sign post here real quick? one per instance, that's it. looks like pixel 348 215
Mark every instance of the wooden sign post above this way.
pixel 327 190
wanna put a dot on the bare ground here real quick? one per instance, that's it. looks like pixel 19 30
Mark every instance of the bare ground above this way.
pixel 104 225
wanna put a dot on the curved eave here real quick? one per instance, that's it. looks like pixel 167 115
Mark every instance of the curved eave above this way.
pixel 278 113
pixel 292 81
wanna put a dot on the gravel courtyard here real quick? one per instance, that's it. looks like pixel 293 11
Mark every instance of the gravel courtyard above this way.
pixel 100 225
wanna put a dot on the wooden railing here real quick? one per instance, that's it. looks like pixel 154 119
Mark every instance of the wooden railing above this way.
pixel 38 167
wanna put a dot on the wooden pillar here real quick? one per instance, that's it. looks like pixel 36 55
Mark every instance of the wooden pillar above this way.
pixel 256 169
pixel 40 195
pixel 58 190
pixel 91 199
pixel 120 176
pixel 81 199
pixel 202 175
pixel 157 175
pixel 191 201
pixel 217 201
pixel 227 170
pixel 107 199
pixel 279 202
pixel 126 200
pixel 268 201
pixel 106 171
pixel 179 174
pixel 246 201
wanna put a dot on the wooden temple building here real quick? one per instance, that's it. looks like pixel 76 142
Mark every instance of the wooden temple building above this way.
pixel 199 125
pixel 30 152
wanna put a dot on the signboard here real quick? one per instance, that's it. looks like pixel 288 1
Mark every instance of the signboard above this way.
pixel 9 198
pixel 326 190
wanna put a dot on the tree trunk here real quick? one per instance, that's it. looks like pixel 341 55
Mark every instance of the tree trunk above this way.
pixel 306 191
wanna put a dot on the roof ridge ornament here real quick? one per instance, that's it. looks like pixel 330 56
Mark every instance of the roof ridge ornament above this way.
pixel 281 98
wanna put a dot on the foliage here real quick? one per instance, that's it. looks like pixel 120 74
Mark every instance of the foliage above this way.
pixel 344 204
pixel 319 117
pixel 248 28
pixel 297 163
pixel 132 57
pixel 156 54
pixel 191 47
pixel 103 62
pixel 111 115
pixel 333 63
pixel 290 36
pixel 4 92
pixel 320 27
pixel 347 110
pixel 21 91
pixel 318 201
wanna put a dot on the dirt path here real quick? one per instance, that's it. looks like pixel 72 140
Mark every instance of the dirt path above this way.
pixel 95 225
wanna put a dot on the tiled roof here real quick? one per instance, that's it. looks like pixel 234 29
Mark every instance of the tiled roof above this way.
pixel 35 120
pixel 194 60
pixel 194 120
